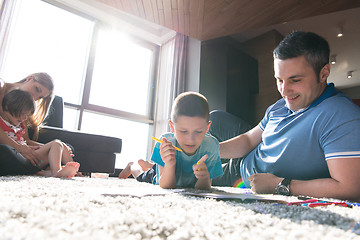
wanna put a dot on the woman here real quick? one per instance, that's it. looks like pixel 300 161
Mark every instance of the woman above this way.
pixel 17 106
pixel 40 86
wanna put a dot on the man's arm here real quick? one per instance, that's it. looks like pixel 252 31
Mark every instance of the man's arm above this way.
pixel 343 184
pixel 241 145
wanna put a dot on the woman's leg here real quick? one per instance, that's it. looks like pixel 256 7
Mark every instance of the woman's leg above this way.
pixel 13 163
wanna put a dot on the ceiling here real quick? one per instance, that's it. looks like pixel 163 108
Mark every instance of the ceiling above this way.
pixel 246 19
pixel 346 48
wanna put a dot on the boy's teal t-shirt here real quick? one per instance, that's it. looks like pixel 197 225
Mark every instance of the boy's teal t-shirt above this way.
pixel 183 170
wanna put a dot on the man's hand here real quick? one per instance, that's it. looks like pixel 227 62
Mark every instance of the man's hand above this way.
pixel 264 182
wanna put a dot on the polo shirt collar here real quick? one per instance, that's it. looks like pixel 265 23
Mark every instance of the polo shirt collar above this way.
pixel 329 91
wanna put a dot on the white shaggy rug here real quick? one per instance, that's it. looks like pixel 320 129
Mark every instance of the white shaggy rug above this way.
pixel 95 208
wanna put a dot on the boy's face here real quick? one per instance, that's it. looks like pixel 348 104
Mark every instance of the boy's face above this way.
pixel 190 132
pixel 16 120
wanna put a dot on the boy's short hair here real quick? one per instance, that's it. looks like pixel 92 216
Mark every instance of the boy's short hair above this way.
pixel 190 104
pixel 18 101
pixel 315 49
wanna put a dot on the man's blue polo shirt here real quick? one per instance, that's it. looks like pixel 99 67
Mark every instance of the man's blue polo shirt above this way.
pixel 296 145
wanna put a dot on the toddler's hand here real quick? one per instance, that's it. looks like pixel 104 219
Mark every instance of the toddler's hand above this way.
pixel 200 169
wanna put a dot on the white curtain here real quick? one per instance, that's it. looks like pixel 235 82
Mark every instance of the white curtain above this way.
pixel 171 80
pixel 8 10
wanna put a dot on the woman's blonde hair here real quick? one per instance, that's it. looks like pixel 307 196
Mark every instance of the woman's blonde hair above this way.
pixel 43 104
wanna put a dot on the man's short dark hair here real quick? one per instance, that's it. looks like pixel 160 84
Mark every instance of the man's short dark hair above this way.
pixel 190 104
pixel 315 49
pixel 17 102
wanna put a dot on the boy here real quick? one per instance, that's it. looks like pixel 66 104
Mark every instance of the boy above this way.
pixel 17 106
pixel 199 161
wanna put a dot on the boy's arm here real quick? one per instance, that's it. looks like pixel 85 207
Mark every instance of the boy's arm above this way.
pixel 202 174
pixel 204 184
pixel 167 177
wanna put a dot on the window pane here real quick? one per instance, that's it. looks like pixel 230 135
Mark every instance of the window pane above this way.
pixel 48 39
pixel 71 118
pixel 121 76
pixel 134 135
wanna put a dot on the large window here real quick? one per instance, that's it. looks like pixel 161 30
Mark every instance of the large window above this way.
pixel 106 78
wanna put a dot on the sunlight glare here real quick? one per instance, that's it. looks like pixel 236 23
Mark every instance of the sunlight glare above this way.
pixel 122 71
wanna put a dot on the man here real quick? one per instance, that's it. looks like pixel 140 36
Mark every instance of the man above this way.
pixel 308 142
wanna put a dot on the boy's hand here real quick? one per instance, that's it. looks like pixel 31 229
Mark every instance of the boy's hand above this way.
pixel 200 169
pixel 167 152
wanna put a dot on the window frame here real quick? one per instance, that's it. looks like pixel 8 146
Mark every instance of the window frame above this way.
pixel 85 94
pixel 142 33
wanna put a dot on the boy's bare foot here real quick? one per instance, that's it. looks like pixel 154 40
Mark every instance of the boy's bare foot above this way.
pixel 68 171
pixel 126 172
pixel 145 165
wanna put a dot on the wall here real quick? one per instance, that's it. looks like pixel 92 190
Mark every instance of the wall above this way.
pixel 212 74
pixel 213 65
pixel 353 93
pixel 228 77
pixel 242 84
pixel 261 49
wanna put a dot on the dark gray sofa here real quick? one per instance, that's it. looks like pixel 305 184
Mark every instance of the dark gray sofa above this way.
pixel 95 153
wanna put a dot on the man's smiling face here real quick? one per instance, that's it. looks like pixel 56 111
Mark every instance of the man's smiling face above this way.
pixel 297 82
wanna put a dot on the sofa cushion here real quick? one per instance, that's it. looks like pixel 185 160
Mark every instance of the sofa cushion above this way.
pixel 81 140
